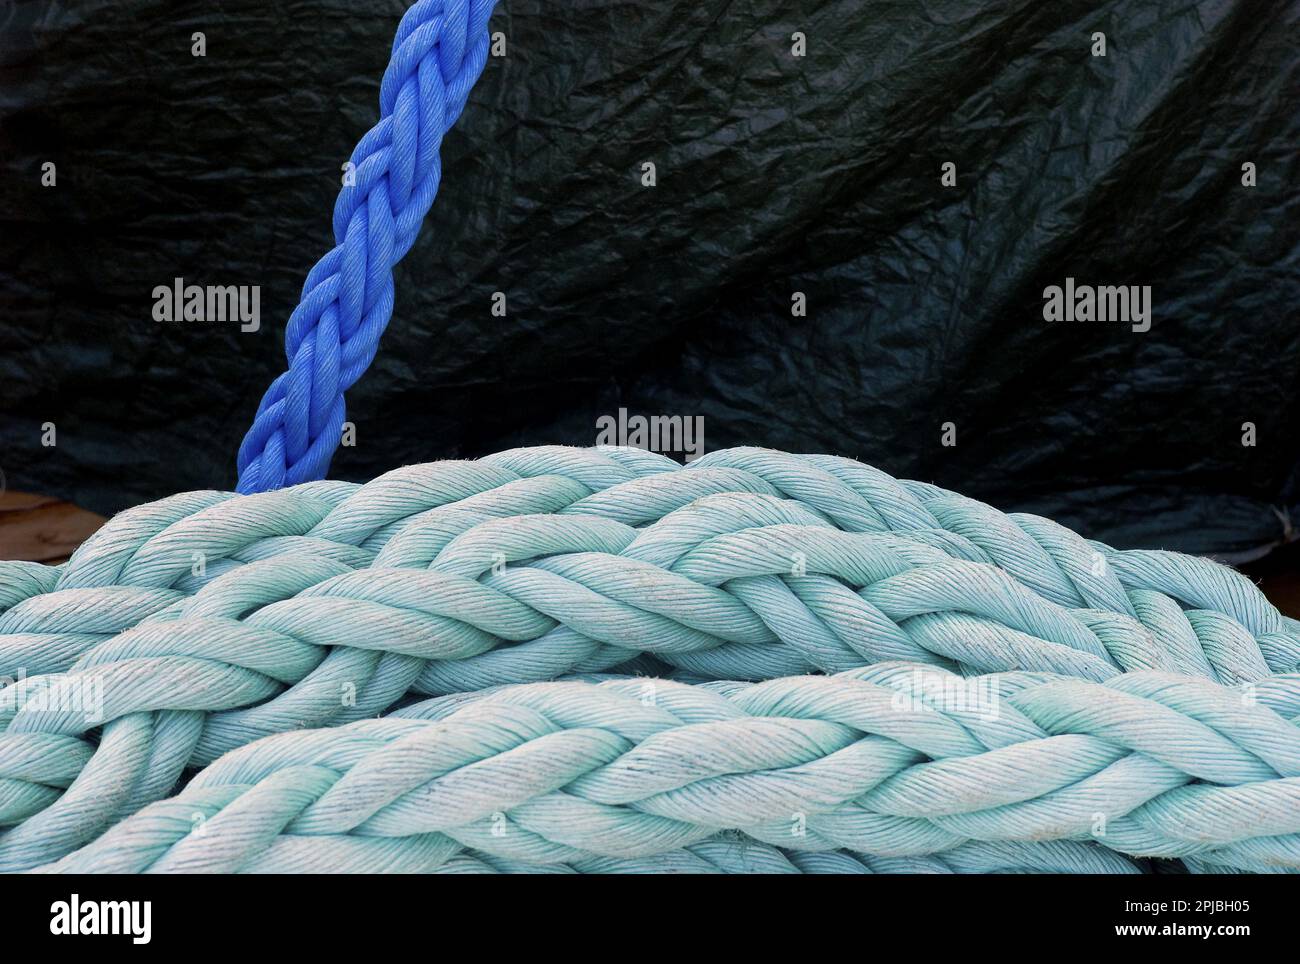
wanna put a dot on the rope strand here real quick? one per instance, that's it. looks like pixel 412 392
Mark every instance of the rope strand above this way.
pixel 439 52
pixel 880 762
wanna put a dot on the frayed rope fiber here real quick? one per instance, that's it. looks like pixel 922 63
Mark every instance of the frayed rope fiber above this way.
pixel 762 657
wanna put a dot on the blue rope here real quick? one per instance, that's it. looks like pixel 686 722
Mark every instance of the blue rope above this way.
pixel 439 52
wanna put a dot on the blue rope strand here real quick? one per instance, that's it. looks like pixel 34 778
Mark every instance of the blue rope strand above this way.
pixel 439 52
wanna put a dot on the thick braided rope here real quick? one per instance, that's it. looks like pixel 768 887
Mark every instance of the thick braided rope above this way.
pixel 439 52
pixel 212 621
pixel 877 762
pixel 1213 621
pixel 271 643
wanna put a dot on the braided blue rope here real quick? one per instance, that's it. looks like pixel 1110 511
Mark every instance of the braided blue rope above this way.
pixel 439 52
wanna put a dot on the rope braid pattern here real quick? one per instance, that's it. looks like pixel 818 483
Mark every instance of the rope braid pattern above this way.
pixel 219 624
pixel 872 762
pixel 1211 620
pixel 439 52
pixel 395 586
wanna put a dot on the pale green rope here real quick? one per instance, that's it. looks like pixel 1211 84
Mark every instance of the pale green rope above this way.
pixel 873 763
pixel 210 620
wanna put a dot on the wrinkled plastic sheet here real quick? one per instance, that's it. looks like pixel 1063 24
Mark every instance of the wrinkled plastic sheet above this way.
pixel 775 175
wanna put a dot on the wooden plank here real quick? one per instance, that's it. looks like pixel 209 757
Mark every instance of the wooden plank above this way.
pixel 41 528
pixel 1278 577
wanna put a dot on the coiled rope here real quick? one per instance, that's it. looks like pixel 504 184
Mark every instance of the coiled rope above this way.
pixel 1148 691
pixel 632 769
pixel 327 603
